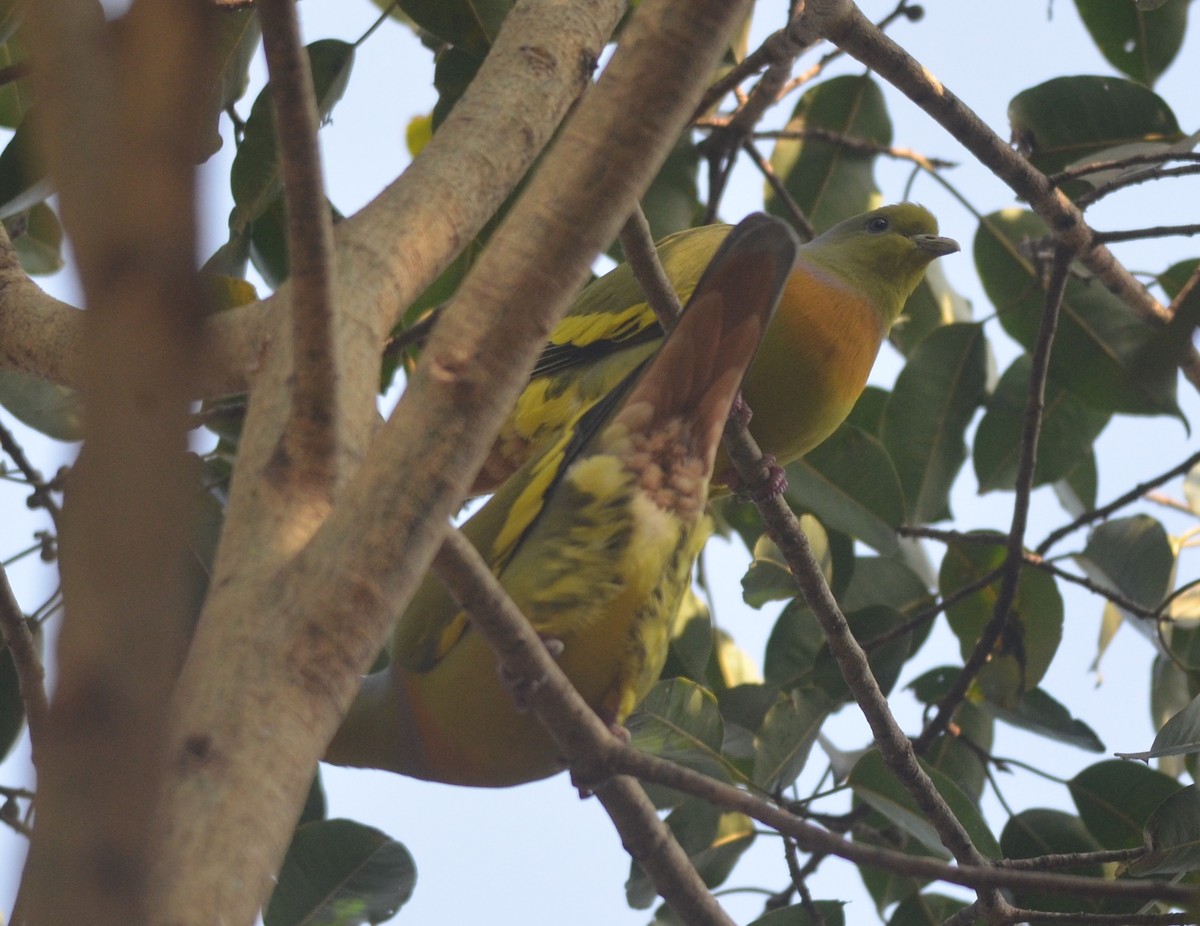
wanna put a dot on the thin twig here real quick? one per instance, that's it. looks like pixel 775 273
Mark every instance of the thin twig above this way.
pixel 1099 514
pixel 311 430
pixel 854 143
pixel 814 839
pixel 638 245
pixel 42 496
pixel 1142 176
pixel 1027 461
pixel 1020 915
pixel 1082 170
pixel 1137 234
pixel 795 213
pixel 31 675
pixel 784 529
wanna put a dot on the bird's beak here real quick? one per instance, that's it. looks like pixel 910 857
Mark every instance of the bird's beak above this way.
pixel 935 245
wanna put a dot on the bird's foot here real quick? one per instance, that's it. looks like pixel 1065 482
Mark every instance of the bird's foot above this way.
pixel 522 688
pixel 739 411
pixel 772 482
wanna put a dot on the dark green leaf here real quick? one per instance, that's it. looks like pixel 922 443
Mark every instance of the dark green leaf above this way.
pixel 874 783
pixel 958 756
pixel 15 96
pixel 785 738
pixel 471 25
pixel 830 181
pixel 54 410
pixel 1041 714
pixel 1069 427
pixel 792 647
pixel 691 639
pixel 1172 836
pixel 340 872
pixel 12 705
pixel 1115 799
pixel 1077 491
pixel 870 625
pixel 926 910
pixel 926 417
pixel 850 484
pixel 453 73
pixel 1066 119
pixel 867 413
pixel 1025 650
pixel 1140 42
pixel 39 245
pixel 1132 556
pixel 1039 832
pixel 934 303
pixel 255 175
pixel 832 914
pixel 23 180
pixel 1179 736
pixel 1101 348
pixel 679 721
pixel 713 840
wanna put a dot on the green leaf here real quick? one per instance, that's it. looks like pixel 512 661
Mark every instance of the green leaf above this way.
pixel 887 887
pixel 1115 800
pixel 934 303
pixel 828 180
pixel 12 705
pixel 1132 556
pixel 1077 491
pixel 713 841
pixel 268 249
pixel 1179 736
pixel 875 784
pixel 255 177
pixel 15 95
pixel 958 755
pixel 233 42
pixel 1140 42
pixel 314 805
pixel 1037 832
pixel 850 484
pixel 1039 713
pixel 679 721
pixel 340 872
pixel 452 74
pixel 832 914
pixel 691 639
pixel 471 25
pixel 785 738
pixel 1069 427
pixel 1101 350
pixel 770 579
pixel 881 580
pixel 1172 836
pixel 39 243
pixel 1066 119
pixel 792 647
pixel 23 180
pixel 926 910
pixel 886 659
pixel 927 414
pixel 54 410
pixel 1025 650
pixel 867 413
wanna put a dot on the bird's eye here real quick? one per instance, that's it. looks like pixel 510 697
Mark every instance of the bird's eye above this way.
pixel 877 225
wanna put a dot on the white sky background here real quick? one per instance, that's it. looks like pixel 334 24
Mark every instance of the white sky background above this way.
pixel 538 854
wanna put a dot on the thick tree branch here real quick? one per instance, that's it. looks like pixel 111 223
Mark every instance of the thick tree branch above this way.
pixel 291 642
pixel 843 23
pixel 312 426
pixel 117 104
